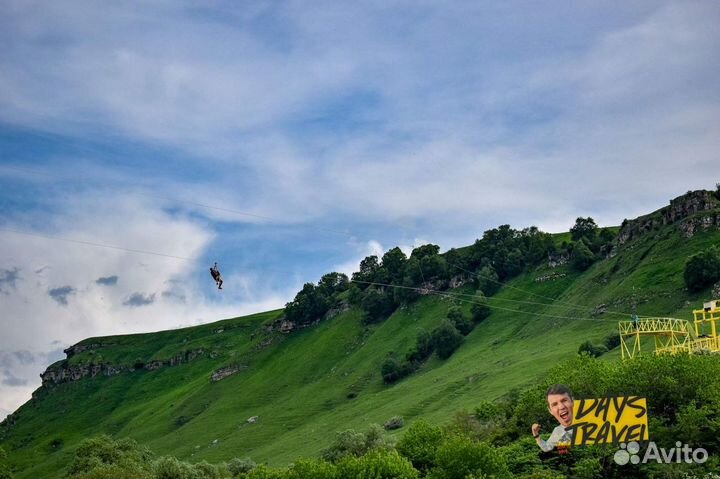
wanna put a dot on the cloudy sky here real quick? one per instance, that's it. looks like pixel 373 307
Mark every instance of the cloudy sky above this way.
pixel 289 139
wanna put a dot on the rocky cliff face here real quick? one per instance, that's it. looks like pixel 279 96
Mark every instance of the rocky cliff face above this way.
pixel 75 373
pixel 64 372
pixel 692 212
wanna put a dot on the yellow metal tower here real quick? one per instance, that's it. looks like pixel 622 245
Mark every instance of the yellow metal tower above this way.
pixel 708 315
pixel 672 336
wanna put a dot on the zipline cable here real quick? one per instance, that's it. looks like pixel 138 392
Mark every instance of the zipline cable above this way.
pixel 456 296
pixel 554 300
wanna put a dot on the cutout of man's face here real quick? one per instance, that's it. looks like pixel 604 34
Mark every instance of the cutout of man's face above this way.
pixel 561 407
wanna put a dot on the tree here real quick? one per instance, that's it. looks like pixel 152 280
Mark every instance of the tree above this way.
pixel 457 262
pixel 433 267
pixel 702 269
pixel 394 263
pixel 406 292
pixel 368 270
pixel 420 443
pixel 582 257
pixel 425 250
pixel 355 294
pixel 310 304
pixel 488 281
pixel 446 339
pixel 333 283
pixel 584 228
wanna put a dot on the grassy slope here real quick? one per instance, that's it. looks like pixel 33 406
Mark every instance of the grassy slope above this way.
pixel 299 385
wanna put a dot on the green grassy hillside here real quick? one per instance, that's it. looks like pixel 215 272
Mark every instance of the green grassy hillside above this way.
pixel 306 385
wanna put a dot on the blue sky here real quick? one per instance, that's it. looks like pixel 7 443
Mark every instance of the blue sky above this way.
pixel 341 129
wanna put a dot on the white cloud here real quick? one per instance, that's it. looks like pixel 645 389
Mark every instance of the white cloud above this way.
pixel 450 132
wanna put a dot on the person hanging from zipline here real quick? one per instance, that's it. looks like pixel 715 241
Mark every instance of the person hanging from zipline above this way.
pixel 215 272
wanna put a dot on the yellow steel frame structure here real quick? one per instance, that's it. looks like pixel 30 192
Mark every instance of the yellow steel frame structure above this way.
pixel 671 335
pixel 703 317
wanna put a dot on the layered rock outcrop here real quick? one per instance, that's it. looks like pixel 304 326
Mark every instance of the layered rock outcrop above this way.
pixel 64 372
pixel 692 212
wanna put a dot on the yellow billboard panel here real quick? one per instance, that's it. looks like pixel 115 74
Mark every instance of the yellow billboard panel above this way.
pixel 610 420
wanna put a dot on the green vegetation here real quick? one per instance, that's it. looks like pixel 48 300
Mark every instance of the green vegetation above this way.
pixel 702 269
pixel 304 386
pixel 4 469
pixel 491 442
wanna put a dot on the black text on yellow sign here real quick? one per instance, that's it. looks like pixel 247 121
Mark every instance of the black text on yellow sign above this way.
pixel 610 420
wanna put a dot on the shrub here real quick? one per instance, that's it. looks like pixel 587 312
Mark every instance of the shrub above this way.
pixel 264 472
pixel 588 468
pixel 702 269
pixel 392 370
pixel 351 443
pixel 612 340
pixel 446 339
pixel 423 348
pixel 523 460
pixel 460 321
pixel 395 422
pixel 460 457
pixel 237 467
pixel 312 469
pixel 102 453
pixel 377 464
pixel 486 411
pixel 419 444
pixel 171 468
pixel 480 309
pixel 592 349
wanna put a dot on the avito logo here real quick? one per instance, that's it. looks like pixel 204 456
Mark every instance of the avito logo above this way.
pixel 630 452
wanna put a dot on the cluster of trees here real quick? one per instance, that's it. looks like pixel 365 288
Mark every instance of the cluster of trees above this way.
pixel 381 285
pixel 588 243
pixel 443 340
pixel 702 269
pixel 508 251
pixel 315 300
